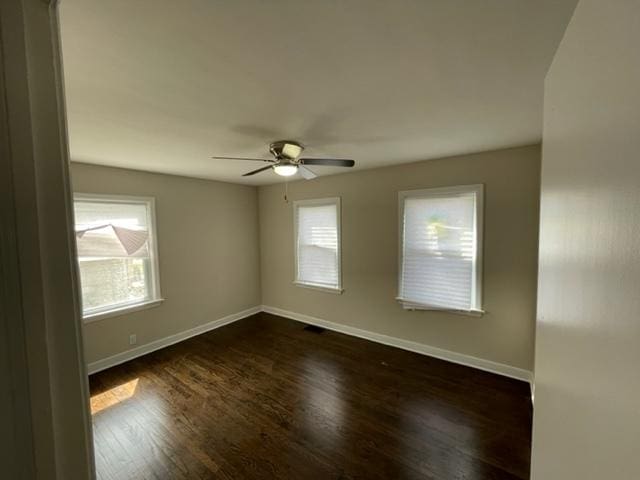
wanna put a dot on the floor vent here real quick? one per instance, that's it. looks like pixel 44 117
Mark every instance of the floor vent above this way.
pixel 314 329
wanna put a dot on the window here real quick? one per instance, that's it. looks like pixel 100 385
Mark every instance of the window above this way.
pixel 117 255
pixel 441 248
pixel 317 243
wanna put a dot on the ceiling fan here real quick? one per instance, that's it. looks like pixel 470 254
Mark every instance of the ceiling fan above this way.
pixel 287 160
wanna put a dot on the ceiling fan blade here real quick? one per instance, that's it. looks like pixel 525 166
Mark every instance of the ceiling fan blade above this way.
pixel 329 162
pixel 243 158
pixel 306 173
pixel 257 171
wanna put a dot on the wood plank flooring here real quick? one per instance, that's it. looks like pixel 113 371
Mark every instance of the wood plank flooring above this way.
pixel 264 398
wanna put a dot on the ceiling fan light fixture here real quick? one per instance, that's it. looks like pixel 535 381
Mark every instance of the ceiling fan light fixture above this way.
pixel 285 170
pixel 287 162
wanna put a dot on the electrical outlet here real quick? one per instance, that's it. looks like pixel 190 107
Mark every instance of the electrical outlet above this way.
pixel 133 339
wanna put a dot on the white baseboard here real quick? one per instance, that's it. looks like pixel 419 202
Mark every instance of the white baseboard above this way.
pixel 170 340
pixel 467 360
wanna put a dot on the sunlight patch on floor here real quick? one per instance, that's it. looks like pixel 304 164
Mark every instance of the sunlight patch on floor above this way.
pixel 113 396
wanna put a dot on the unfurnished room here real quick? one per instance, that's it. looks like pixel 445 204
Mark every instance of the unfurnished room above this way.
pixel 320 239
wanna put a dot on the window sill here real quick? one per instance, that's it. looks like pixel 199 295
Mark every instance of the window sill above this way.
pixel 417 307
pixel 116 312
pixel 320 288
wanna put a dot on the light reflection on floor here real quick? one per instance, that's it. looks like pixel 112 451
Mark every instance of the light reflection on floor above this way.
pixel 113 396
pixel 323 402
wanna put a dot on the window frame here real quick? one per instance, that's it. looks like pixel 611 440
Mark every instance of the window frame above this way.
pixel 477 280
pixel 155 298
pixel 318 202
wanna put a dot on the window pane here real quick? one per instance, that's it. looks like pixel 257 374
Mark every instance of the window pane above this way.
pixel 114 252
pixel 113 282
pixel 317 245
pixel 439 251
pixel 90 213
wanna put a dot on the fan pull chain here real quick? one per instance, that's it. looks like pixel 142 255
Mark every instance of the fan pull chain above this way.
pixel 286 191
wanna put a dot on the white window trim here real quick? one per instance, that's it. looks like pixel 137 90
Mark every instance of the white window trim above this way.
pixel 123 310
pixel 318 201
pixel 156 296
pixel 478 189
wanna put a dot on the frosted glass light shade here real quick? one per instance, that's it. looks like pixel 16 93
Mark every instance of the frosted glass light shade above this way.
pixel 285 170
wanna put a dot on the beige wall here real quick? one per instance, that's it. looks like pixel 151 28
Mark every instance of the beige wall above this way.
pixel 586 419
pixel 370 253
pixel 208 254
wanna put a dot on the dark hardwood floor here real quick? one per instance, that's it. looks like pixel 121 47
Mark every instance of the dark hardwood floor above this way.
pixel 264 398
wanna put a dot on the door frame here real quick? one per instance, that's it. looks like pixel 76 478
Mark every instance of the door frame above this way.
pixel 49 434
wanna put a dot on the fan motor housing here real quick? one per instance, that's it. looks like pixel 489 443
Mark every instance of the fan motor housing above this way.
pixel 286 149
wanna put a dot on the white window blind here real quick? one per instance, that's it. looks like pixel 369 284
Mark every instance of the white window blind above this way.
pixel 317 241
pixel 440 265
pixel 116 252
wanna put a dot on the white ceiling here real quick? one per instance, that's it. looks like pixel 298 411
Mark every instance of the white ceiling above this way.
pixel 161 85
